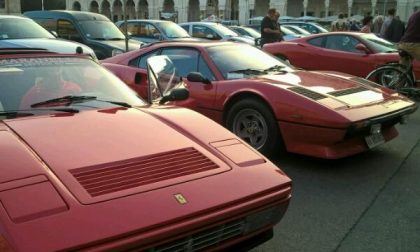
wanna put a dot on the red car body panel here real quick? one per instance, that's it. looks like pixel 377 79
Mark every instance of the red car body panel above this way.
pixel 302 54
pixel 67 180
pixel 298 117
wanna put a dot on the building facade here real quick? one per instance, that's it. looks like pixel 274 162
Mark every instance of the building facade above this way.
pixel 10 7
pixel 242 10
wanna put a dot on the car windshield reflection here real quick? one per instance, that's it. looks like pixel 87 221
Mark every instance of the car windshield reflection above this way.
pixel 45 85
pixel 236 60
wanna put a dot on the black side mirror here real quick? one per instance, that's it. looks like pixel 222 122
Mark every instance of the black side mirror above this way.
pixel 197 77
pixel 177 94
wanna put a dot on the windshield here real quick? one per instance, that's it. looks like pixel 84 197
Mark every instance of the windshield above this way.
pixel 172 30
pixel 378 44
pixel 21 28
pixel 234 60
pixel 297 30
pixel 101 30
pixel 24 82
pixel 251 31
pixel 226 32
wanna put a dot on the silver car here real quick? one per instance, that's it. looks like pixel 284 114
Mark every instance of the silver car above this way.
pixel 21 32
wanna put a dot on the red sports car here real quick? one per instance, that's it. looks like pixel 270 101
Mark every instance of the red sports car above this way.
pixel 268 103
pixel 86 165
pixel 348 52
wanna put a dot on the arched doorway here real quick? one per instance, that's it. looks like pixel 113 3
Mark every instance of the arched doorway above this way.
pixel 106 9
pixel 94 7
pixel 77 6
pixel 168 11
pixel 234 10
pixel 262 7
pixel 212 8
pixel 117 11
pixel 193 10
pixel 143 10
pixel 131 9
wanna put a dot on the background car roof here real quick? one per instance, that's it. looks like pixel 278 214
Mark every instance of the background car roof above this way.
pixel 77 15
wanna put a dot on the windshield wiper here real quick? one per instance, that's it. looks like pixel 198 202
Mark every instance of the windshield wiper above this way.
pixel 13 114
pixel 65 99
pixel 122 104
pixel 249 71
pixel 21 113
pixel 275 68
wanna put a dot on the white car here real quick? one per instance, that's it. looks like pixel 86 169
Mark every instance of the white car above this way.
pixel 214 31
pixel 21 32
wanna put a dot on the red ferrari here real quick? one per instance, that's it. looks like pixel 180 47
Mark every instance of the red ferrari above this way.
pixel 348 52
pixel 270 104
pixel 86 165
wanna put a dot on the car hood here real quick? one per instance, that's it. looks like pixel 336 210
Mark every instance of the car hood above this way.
pixel 120 44
pixel 88 150
pixel 50 44
pixel 344 89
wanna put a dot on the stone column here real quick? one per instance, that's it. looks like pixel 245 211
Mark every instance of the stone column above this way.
pixel 203 8
pixel 327 7
pixel 181 6
pixel 221 9
pixel 349 5
pixel 374 2
pixel 243 11
pixel 305 6
pixel 404 9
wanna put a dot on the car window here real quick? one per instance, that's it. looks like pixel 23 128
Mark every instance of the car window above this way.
pixel 48 24
pixel 186 27
pixel 343 43
pixel 200 31
pixel 141 61
pixel 319 42
pixel 66 30
pixel 21 28
pixel 185 59
pixel 204 69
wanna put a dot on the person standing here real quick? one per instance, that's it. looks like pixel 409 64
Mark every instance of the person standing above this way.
pixel 377 24
pixel 269 30
pixel 340 24
pixel 395 30
pixel 367 23
pixel 387 22
pixel 410 42
pixel 277 23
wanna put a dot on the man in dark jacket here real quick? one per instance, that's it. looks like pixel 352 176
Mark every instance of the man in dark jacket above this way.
pixel 395 30
pixel 410 42
pixel 269 30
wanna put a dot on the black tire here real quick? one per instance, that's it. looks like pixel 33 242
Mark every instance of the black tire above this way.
pixel 253 122
pixel 393 77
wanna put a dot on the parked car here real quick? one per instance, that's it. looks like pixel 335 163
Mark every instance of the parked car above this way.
pixel 309 26
pixel 214 31
pixel 287 33
pixel 268 103
pixel 148 31
pixel 92 29
pixel 337 51
pixel 246 31
pixel 94 167
pixel 296 29
pixel 21 32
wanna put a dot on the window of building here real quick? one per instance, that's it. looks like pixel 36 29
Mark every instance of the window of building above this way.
pixel 2 4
